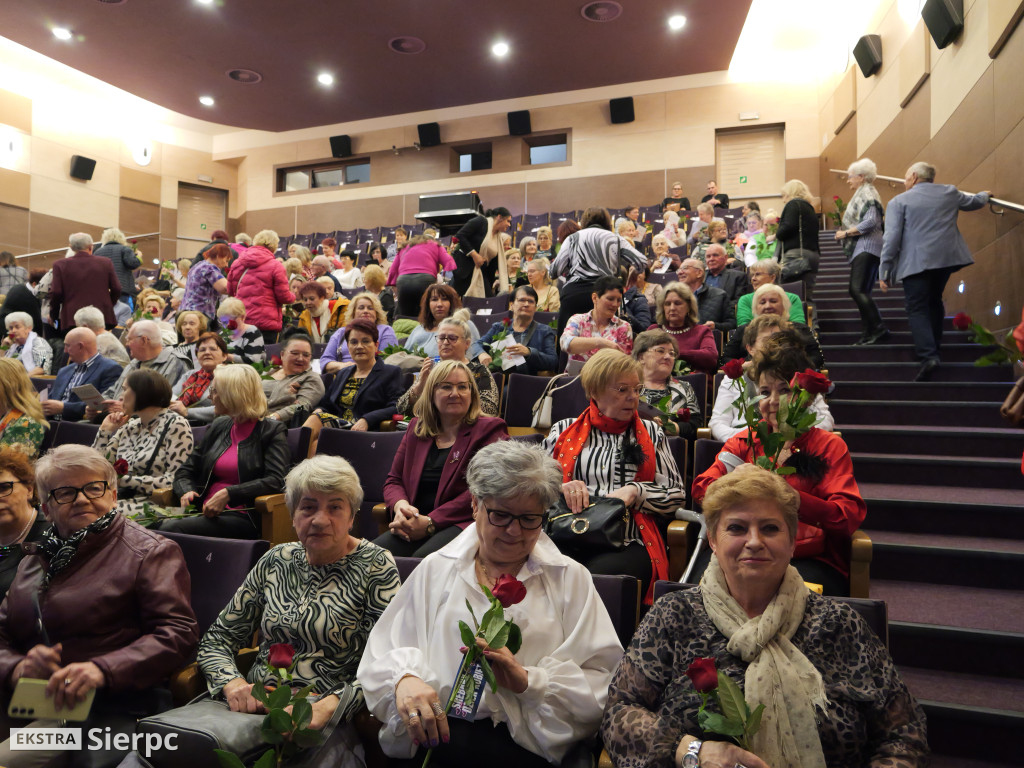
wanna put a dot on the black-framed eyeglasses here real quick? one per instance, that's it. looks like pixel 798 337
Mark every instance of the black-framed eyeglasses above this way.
pixel 501 519
pixel 6 488
pixel 68 493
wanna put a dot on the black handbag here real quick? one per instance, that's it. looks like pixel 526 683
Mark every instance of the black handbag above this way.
pixel 600 527
pixel 797 262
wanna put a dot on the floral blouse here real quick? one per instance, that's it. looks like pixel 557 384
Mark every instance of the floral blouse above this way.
pixel 582 327
pixel 872 718
pixel 22 432
pixel 325 612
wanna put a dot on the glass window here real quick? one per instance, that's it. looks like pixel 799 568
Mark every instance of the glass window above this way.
pixel 548 153
pixel 357 174
pixel 328 178
pixel 294 180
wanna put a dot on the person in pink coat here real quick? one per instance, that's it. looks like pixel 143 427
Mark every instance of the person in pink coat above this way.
pixel 259 280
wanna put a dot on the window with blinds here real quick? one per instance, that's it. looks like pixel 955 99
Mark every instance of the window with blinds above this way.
pixel 751 162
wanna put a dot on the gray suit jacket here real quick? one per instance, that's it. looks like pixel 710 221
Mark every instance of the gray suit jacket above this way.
pixel 921 231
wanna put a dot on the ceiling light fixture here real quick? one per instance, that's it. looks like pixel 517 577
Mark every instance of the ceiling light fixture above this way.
pixel 61 33
pixel 677 22
pixel 500 49
pixel 205 2
pixel 325 78
pixel 206 101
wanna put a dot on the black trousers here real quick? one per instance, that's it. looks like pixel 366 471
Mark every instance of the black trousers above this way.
pixel 632 560
pixel 402 548
pixel 925 311
pixel 575 299
pixel 226 525
pixel 410 291
pixel 863 274
pixel 475 744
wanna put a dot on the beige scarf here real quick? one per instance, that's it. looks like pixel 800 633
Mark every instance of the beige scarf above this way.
pixel 779 675
pixel 492 248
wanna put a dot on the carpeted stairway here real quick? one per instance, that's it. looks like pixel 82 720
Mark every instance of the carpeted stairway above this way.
pixel 941 473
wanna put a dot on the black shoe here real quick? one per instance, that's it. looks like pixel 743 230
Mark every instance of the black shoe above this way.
pixel 926 370
pixel 877 336
pixel 862 340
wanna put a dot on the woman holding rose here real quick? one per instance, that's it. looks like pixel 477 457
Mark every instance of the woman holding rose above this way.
pixel 656 351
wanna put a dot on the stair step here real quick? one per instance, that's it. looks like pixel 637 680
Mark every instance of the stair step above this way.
pixel 975 733
pixel 896 353
pixel 911 469
pixel 949 605
pixel 924 413
pixel 950 563
pixel 978 392
pixel 850 323
pixel 840 338
pixel 993 512
pixel 949 761
pixel 967 372
pixel 951 649
pixel 924 440
pixel 965 689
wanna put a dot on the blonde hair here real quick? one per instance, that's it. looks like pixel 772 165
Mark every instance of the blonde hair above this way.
pixel 267 238
pixel 292 266
pixel 240 391
pixel 718 223
pixel 382 318
pixel 766 288
pixel 328 283
pixel 604 366
pixel 17 392
pixel 545 265
pixel 303 254
pixel 182 315
pixel 545 230
pixel 231 307
pixel 683 291
pixel 113 235
pixel 750 483
pixel 794 189
pixel 184 265
pixel 374 278
pixel 428 422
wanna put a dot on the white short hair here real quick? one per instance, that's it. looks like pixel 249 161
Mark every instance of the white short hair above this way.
pixel 864 167
pixel 148 329
pixel 90 317
pixel 18 317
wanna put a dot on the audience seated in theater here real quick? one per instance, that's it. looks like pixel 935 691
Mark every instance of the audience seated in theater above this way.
pixel 675 201
pixel 321 266
pixel 626 229
pixel 545 239
pixel 364 306
pixel 762 273
pixel 608 451
pixel 375 257
pixel 258 279
pixel 537 276
pixel 673 231
pixel 23 344
pixel 193 392
pixel 717 234
pixel 147 350
pixel 294 389
pixel 320 318
pixel 20 519
pixel 395 247
pixel 656 351
pixel 650 291
pixel 733 281
pixel 831 507
pixel 107 343
pixel 830 690
pixel 527 338
pixel 600 328
pixel 513 268
pixel 153 307
pixel 699 229
pixel 757 248
pixel 114 246
pixel 714 197
pixel 10 273
pixel 454 341
pixel 190 325
pixel 206 283
pixel 679 317
pixel 329 249
pixel 438 302
pixel 362 394
pixel 726 420
pixel 245 342
pixel 348 273
pixel 243 455
pixel 742 222
pixel 21 414
pixel 374 281
pixel 22 298
pixel 528 247
pixel 660 253
pixel 85 366
pixel 770 299
pixel 174 303
pixel 426 487
pixel 552 691
pixel 712 303
pixel 415 269
pixel 632 212
pixel 117 618
pixel 146 441
pixel 83 279
pixel 302 253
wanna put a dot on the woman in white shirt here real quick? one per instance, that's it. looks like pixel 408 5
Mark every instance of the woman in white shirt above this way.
pixel 348 275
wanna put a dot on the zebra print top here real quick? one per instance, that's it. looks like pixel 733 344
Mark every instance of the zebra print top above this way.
pixel 324 612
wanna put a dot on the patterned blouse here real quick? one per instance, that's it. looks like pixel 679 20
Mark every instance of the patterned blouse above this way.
pixel 872 718
pixel 348 397
pixel 22 432
pixel 249 347
pixel 325 612
pixel 200 295
pixel 582 327
pixel 167 440
pixel 42 355
pixel 681 395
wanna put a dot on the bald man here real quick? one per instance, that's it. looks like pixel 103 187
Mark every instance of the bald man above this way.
pixel 86 366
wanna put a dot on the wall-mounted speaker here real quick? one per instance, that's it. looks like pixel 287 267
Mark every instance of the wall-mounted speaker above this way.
pixel 868 53
pixel 621 110
pixel 519 123
pixel 944 19
pixel 430 134
pixel 341 146
pixel 82 167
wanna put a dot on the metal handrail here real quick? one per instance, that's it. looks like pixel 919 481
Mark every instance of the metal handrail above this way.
pixel 64 247
pixel 992 201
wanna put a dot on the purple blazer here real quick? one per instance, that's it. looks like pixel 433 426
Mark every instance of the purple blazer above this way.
pixel 452 504
pixel 82 280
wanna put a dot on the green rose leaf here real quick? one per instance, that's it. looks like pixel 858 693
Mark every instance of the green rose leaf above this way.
pixel 267 760
pixel 269 735
pixel 785 470
pixel 714 723
pixel 279 720
pixel 302 713
pixel 230 759
pixel 259 693
pixel 307 737
pixel 500 637
pixel 468 638
pixel 753 723
pixel 489 674
pixel 280 698
pixel 302 692
pixel 515 638
pixel 730 698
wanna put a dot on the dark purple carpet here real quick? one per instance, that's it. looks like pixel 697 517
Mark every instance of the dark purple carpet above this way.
pixel 969 607
pixel 951 541
pixel 967 690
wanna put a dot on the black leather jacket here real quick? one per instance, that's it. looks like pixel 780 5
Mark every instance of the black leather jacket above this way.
pixel 263 461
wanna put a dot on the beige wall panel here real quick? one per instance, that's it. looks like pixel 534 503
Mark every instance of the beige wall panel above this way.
pixel 46 232
pixel 168 232
pixel 844 100
pixel 981 227
pixel 16 111
pixel 694 180
pixel 1008 182
pixel 1003 17
pixel 878 109
pixel 826 123
pixel 53 161
pixel 281 220
pixel 169 192
pixel 1007 82
pixel 958 67
pixel 188 165
pixel 803 168
pixel 14 228
pixel 140 186
pixel 377 141
pixel 914 62
pixel 348 215
pixel 614 191
pixel 76 138
pixel 471 128
pixel 967 135
pixel 15 189
pixel 241 198
pixel 138 217
pixel 74 201
pixel 126 159
pixel 21 160
pixel 839 153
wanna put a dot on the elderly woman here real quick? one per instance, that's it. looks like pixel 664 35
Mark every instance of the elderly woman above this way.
pixel 21 414
pixel 206 283
pixel 533 341
pixel 25 346
pixel 246 342
pixel 528 248
pixel 660 251
pixel 551 692
pixel 294 388
pixel 831 692
pixel 190 325
pixel 762 273
pixel 656 351
pixel 610 452
pixel 770 299
pixel 717 234
pixel 454 340
pixel 626 229
pixel 348 275
pixel 679 317
pixel 243 455
pixel 650 291
pixel 350 582
pixel 861 237
pixel 672 231
pixel 600 328
pixel 10 273
pixel 320 319
pixel 546 243
pixel 513 267
pixel 415 269
pixel 539 279
pixel 258 279
pixel 114 246
pixel 192 393
pixel 438 302
pixel 831 507
pixel 146 442
pixel 375 281
pixel 20 521
pixel 365 307
pixel 480 247
pixel 96 570
pixel 426 487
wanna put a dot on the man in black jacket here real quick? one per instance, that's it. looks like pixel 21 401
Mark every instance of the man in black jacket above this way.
pixel 732 281
pixel 716 198
pixel 712 303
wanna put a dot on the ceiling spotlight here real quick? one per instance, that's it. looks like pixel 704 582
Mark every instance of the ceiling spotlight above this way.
pixel 61 33
pixel 677 22
pixel 325 78
pixel 205 2
pixel 500 49
pixel 206 101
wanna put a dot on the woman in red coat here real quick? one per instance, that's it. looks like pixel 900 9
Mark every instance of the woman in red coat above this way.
pixel 831 507
pixel 259 280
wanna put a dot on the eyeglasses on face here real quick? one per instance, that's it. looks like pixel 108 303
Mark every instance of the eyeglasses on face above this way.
pixel 447 338
pixel 68 493
pixel 502 519
pixel 7 488
pixel 623 390
pixel 446 388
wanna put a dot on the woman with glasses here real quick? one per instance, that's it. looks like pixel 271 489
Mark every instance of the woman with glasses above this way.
pixel 116 611
pixel 551 693
pixel 656 351
pixel 19 520
pixel 610 452
pixel 426 487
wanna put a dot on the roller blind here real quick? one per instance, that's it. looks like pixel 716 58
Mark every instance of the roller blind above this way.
pixel 751 162
pixel 201 211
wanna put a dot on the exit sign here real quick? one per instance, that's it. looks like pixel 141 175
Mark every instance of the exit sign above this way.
pixel 743 179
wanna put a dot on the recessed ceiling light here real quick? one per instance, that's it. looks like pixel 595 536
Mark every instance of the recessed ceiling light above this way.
pixel 206 101
pixel 676 22
pixel 500 49
pixel 61 33
pixel 325 78
pixel 205 2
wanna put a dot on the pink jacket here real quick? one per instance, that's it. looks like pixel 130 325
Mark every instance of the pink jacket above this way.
pixel 259 280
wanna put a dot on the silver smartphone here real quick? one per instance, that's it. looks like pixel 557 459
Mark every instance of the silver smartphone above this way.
pixel 30 702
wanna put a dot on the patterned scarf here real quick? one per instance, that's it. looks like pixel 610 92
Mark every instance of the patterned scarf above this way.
pixel 567 450
pixel 59 552
pixel 195 387
pixel 865 197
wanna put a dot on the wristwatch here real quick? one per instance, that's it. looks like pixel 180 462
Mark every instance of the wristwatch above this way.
pixel 431 528
pixel 692 757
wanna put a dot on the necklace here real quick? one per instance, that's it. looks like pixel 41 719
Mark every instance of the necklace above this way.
pixel 492 579
pixel 675 332
pixel 5 549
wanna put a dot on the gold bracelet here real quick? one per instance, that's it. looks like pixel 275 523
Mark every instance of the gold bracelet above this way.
pixel 407 674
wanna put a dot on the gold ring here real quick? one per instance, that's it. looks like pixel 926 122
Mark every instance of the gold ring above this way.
pixel 438 709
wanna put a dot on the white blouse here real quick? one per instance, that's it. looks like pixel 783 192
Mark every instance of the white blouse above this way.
pixel 569 649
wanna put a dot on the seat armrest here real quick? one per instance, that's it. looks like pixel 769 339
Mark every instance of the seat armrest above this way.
pixel 704 433
pixel 860 565
pixel 382 516
pixel 368 727
pixel 275 519
pixel 605 761
pixel 677 542
pixel 163 497
pixel 186 684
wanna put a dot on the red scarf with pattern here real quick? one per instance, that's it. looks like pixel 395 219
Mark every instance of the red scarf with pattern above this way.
pixel 195 387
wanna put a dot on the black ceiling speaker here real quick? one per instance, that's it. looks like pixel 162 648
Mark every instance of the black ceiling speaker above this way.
pixel 82 167
pixel 944 19
pixel 621 110
pixel 430 134
pixel 519 123
pixel 868 53
pixel 341 146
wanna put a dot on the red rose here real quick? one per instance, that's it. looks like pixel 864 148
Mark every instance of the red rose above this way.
pixel 281 655
pixel 835 198
pixel 121 467
pixel 275 360
pixel 506 322
pixel 233 325
pixel 683 415
pixel 733 369
pixel 962 321
pixel 703 675
pixel 812 382
pixel 398 417
pixel 508 590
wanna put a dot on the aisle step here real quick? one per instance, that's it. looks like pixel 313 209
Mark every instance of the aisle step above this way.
pixel 911 469
pixel 848 338
pixel 979 392
pixel 902 508
pixel 849 322
pixel 966 372
pixel 1005 443
pixel 949 559
pixel 958 414
pixel 953 649
pixel 973 733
